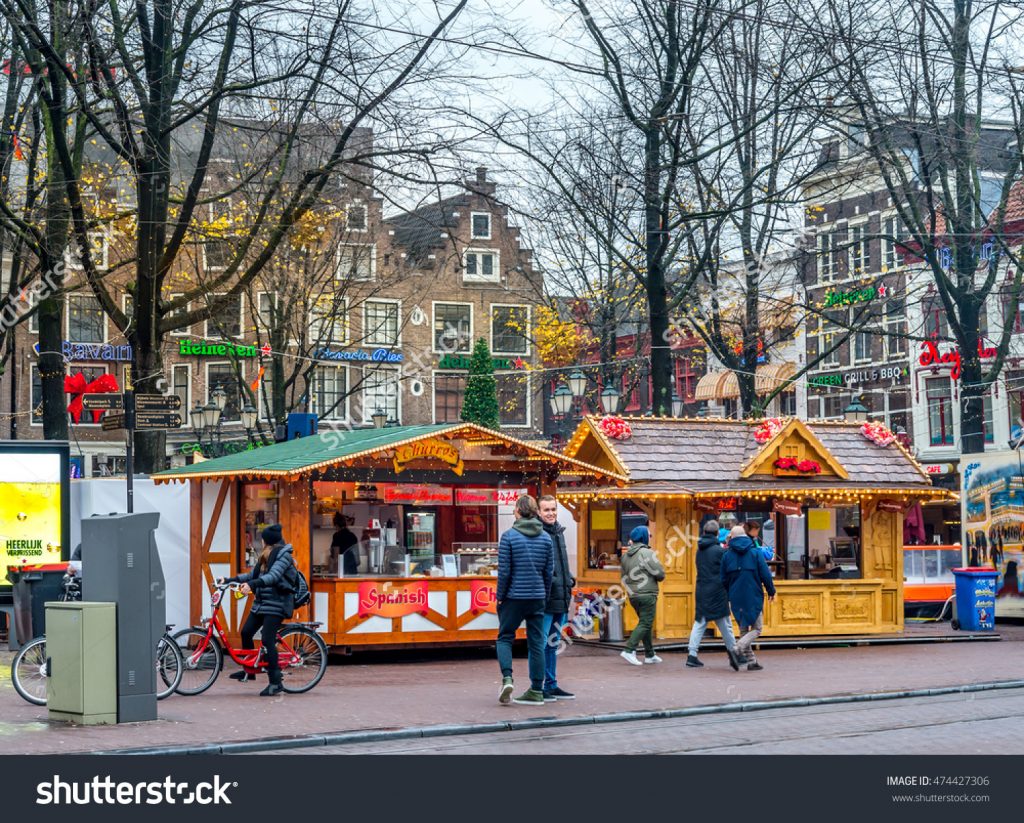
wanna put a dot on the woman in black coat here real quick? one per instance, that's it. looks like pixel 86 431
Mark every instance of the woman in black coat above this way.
pixel 274 601
pixel 711 597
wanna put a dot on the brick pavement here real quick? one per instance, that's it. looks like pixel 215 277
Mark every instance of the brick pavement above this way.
pixel 377 692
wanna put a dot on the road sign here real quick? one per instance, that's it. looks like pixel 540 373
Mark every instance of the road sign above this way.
pixel 102 402
pixel 112 422
pixel 157 402
pixel 156 420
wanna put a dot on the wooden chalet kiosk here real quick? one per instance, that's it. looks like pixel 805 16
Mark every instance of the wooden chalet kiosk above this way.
pixel 426 503
pixel 836 525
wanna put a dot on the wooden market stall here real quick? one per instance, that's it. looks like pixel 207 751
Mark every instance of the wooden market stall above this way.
pixel 426 505
pixel 830 500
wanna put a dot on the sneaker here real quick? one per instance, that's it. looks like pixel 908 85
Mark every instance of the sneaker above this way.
pixel 272 689
pixel 531 697
pixel 505 695
pixel 559 694
pixel 630 657
pixel 693 662
pixel 754 667
pixel 734 659
pixel 652 659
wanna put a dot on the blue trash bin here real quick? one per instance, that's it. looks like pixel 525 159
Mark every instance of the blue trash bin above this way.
pixel 976 598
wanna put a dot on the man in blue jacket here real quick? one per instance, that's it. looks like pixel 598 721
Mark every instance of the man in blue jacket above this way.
pixel 525 567
pixel 746 576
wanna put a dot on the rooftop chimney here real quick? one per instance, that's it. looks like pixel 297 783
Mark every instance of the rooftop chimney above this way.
pixel 481 175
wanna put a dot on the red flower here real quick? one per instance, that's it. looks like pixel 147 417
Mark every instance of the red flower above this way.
pixel 808 467
pixel 785 463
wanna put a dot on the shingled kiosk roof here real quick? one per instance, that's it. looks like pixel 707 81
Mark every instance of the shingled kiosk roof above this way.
pixel 713 456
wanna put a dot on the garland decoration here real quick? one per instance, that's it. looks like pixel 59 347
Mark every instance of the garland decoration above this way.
pixel 768 429
pixel 878 433
pixel 615 428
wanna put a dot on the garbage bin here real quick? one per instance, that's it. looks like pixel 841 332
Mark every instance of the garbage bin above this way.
pixel 976 598
pixel 34 586
pixel 611 621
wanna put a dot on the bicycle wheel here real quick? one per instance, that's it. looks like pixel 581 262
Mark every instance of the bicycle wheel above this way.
pixel 203 660
pixel 28 671
pixel 303 675
pixel 170 666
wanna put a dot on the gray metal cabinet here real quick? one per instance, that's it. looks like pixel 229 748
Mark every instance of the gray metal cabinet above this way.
pixel 81 644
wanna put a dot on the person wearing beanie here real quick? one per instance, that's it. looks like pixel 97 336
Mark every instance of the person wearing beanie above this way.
pixel 270 582
pixel 712 600
pixel 746 576
pixel 641 571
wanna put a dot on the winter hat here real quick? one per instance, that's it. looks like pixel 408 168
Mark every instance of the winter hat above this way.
pixel 272 534
pixel 711 527
pixel 737 531
pixel 640 534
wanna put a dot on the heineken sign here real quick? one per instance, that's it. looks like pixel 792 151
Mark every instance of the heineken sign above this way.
pixel 191 348
pixel 848 298
pixel 459 361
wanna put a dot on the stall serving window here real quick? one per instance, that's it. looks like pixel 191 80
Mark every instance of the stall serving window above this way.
pixel 259 510
pixel 611 521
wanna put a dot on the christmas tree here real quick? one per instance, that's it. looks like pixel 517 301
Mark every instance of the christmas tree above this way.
pixel 480 405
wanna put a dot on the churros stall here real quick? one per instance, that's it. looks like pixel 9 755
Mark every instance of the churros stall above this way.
pixel 396 528
pixel 830 497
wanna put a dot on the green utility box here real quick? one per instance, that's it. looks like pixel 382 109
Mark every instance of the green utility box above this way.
pixel 81 644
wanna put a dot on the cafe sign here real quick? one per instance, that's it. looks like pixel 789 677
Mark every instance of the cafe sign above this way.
pixel 385 599
pixel 896 374
pixel 360 355
pixel 787 507
pixel 932 356
pixel 710 504
pixel 432 448
pixel 488 497
pixel 417 495
pixel 891 506
pixel 483 596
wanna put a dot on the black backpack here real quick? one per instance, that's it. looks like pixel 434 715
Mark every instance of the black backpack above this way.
pixel 300 587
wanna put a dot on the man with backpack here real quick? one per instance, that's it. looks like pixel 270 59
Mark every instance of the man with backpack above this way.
pixel 746 576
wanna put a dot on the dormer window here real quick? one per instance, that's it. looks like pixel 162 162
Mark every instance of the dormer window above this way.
pixel 481 225
pixel 356 217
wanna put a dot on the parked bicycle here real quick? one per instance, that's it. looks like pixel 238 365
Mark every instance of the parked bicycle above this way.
pixel 30 668
pixel 302 653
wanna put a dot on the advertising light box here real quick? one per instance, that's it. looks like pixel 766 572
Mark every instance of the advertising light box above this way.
pixel 34 504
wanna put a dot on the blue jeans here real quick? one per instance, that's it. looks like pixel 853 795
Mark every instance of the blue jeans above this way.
pixel 511 614
pixel 552 644
pixel 697 634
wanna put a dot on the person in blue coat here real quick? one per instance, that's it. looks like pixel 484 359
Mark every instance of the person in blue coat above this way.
pixel 526 562
pixel 746 576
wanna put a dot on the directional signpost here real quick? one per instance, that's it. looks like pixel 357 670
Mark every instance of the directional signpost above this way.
pixel 135 412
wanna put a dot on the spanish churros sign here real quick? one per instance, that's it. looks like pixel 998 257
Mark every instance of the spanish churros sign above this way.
pixel 31 508
pixel 388 600
pixel 431 448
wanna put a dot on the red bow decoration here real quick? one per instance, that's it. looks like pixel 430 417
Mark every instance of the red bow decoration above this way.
pixel 76 386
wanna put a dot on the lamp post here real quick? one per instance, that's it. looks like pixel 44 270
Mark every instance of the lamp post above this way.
pixel 677 405
pixel 206 424
pixel 610 399
pixel 379 418
pixel 856 412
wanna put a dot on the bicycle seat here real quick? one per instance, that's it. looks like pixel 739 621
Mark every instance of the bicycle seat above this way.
pixel 313 626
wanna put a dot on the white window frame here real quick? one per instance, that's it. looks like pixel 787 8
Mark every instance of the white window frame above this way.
pixel 398 324
pixel 472 227
pixel 74 263
pixel 433 388
pixel 212 212
pixel 125 298
pixel 373 262
pixel 890 224
pixel 316 340
pixel 826 257
pixel 867 334
pixel 890 326
pixel 359 204
pixel 529 325
pixel 208 394
pixel 863 244
pixel 828 330
pixel 186 406
pixel 206 264
pixel 275 301
pixel 241 318
pixel 67 318
pixel 480 277
pixel 433 319
pixel 529 404
pixel 342 413
pixel 364 385
pixel 187 330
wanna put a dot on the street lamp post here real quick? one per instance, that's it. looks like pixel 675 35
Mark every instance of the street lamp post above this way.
pixel 856 412
pixel 677 405
pixel 379 418
pixel 610 399
pixel 206 423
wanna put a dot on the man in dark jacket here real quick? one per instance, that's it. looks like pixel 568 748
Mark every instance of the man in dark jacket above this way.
pixel 745 574
pixel 711 598
pixel 556 610
pixel 525 569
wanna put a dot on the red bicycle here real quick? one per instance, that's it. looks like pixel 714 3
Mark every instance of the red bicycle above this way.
pixel 302 653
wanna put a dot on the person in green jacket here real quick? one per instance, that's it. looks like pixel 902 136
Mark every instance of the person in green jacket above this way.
pixel 641 571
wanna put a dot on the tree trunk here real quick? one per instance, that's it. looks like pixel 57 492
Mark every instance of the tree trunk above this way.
pixel 972 393
pixel 657 294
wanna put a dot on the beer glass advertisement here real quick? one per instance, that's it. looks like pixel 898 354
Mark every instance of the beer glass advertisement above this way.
pixel 992 505
pixel 34 482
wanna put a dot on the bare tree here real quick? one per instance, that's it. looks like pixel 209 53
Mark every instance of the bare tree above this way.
pixel 935 102
pixel 162 85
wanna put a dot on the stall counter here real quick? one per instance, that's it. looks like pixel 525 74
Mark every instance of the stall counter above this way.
pixel 390 611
